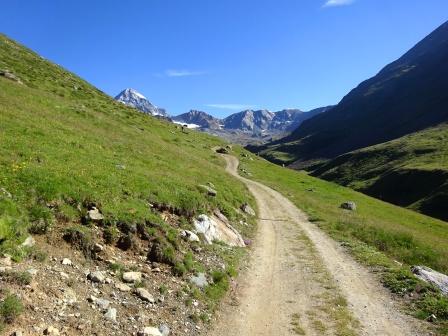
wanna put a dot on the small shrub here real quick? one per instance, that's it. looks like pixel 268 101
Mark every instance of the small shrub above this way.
pixel 195 293
pixel 39 227
pixel 436 304
pixel 179 269
pixel 194 317
pixel 189 262
pixel 80 238
pixel 217 290
pixel 204 317
pixel 172 236
pixel 169 254
pixel 20 278
pixel 41 219
pixel 218 276
pixel 10 308
pixel 140 284
pixel 400 281
pixel 67 213
pixel 110 235
pixel 231 271
pixel 163 289
pixel 151 231
pixel 38 255
pixel 118 268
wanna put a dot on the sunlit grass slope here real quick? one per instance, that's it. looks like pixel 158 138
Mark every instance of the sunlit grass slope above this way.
pixel 64 142
pixel 411 171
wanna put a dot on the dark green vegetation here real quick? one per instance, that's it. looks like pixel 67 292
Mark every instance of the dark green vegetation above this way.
pixel 411 171
pixel 65 147
pixel 406 97
pixel 378 234
pixel 10 308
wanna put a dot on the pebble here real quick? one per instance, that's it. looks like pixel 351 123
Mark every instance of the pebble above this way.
pixel 67 262
pixel 98 248
pixel 164 330
pixel 132 276
pixel 111 314
pixel 64 275
pixel 150 331
pixel 143 294
pixel 102 303
pixel 51 331
pixel 29 242
pixel 123 287
pixel 96 276
pixel 32 271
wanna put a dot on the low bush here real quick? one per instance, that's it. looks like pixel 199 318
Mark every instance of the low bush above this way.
pixel 10 308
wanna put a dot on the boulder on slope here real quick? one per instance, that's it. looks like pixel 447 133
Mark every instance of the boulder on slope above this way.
pixel 217 228
pixel 435 278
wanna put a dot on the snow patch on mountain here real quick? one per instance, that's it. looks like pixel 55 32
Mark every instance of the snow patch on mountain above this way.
pixel 186 124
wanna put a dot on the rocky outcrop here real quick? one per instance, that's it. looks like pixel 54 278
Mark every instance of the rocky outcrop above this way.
pixel 209 190
pixel 349 206
pixel 94 215
pixel 435 278
pixel 9 75
pixel 247 209
pixel 222 150
pixel 144 295
pixel 249 120
pixel 189 236
pixel 132 277
pixel 217 228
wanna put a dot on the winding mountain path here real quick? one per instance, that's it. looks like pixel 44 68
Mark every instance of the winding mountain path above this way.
pixel 301 282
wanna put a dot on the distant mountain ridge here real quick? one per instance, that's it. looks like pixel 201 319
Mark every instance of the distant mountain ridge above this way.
pixel 251 121
pixel 244 127
pixel 135 99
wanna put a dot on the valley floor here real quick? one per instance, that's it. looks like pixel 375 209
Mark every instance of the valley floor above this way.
pixel 301 282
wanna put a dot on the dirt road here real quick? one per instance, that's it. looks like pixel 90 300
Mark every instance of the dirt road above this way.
pixel 301 282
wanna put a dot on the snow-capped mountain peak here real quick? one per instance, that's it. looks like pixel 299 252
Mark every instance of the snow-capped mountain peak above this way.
pixel 135 99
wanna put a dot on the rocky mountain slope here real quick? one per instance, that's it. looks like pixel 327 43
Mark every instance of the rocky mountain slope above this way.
pixel 406 96
pixel 105 212
pixel 252 121
pixel 135 99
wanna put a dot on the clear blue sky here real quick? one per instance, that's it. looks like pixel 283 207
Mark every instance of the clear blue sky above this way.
pixel 222 56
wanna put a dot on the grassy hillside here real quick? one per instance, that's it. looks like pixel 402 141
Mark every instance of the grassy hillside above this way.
pixel 411 171
pixel 65 145
pixel 379 234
